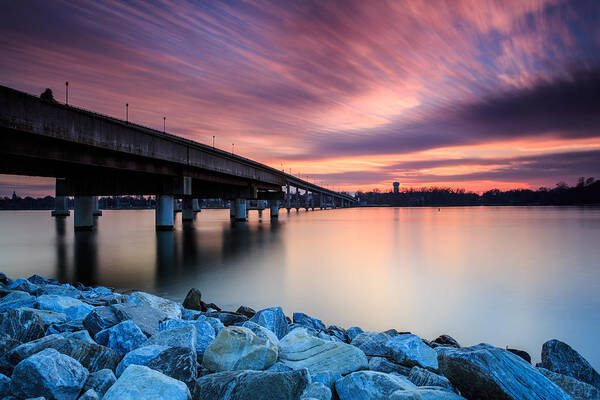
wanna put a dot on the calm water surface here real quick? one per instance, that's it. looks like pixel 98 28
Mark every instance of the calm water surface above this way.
pixel 514 276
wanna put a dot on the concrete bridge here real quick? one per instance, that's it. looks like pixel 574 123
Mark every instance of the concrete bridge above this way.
pixel 95 155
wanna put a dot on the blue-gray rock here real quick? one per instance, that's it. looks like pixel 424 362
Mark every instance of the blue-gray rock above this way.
pixel 327 378
pixel 279 367
pixel 140 382
pixel 373 343
pixel 487 372
pixel 298 350
pixel 168 307
pixel 122 338
pixel 100 381
pixel 576 389
pixel 246 311
pixel 64 327
pixel 425 394
pixel 48 317
pixel 139 356
pixel 353 332
pixel 262 332
pixel 49 374
pixel 4 385
pixel 446 340
pixel 40 280
pixel 101 318
pixel 180 363
pixel 92 356
pixel 559 357
pixel 4 279
pixel 370 385
pixel 423 377
pixel 178 337
pixel 381 364
pixel 216 323
pixel 226 317
pixel 82 335
pixel 521 353
pixel 190 314
pixel 23 285
pixel 145 317
pixel 90 395
pixel 317 391
pixel 308 321
pixel 193 300
pixel 273 319
pixel 338 333
pixel 58 290
pixel 252 385
pixel 405 349
pixel 237 348
pixel 21 325
pixel 73 308
pixel 205 334
pixel 16 299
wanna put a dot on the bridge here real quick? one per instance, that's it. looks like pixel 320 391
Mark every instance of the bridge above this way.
pixel 93 155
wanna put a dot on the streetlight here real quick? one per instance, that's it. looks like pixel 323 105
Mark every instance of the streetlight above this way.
pixel 213 141
pixel 164 124
pixel 127 112
pixel 232 147
pixel 67 92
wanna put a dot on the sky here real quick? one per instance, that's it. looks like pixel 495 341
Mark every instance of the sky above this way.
pixel 351 94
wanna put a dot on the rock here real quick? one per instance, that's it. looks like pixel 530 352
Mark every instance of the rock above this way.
pixel 353 332
pixel 425 394
pixel 122 338
pixel 90 395
pixel 237 348
pixel 4 385
pixel 99 319
pixel 559 357
pixel 205 334
pixel 145 317
pixel 328 379
pixel 211 307
pixel 92 356
pixel 273 319
pixel 370 385
pixel 58 291
pixel 300 350
pixel 193 300
pixel 82 335
pixel 99 381
pixel 279 367
pixel 307 321
pixel 139 382
pixel 446 340
pixel 262 332
pixel 521 353
pixel 178 337
pixel 16 299
pixel 381 364
pixel 252 385
pixel 190 314
pixel 140 356
pixel 409 350
pixel 227 318
pixel 73 308
pixel 23 285
pixel 4 279
pixel 48 317
pixel 574 388
pixel 373 343
pixel 246 311
pixel 49 374
pixel 487 372
pixel 216 323
pixel 169 307
pixel 423 377
pixel 316 390
pixel 339 333
pixel 40 280
pixel 21 325
pixel 177 362
pixel 65 327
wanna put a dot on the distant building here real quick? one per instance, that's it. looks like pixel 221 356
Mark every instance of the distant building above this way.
pixel 396 187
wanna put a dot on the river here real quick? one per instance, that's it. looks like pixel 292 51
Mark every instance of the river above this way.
pixel 514 276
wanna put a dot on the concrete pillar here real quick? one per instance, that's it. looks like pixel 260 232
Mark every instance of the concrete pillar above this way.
pixel 187 209
pixel 288 199
pixel 240 210
pixel 97 211
pixel 60 200
pixel 196 205
pixel 164 212
pixel 232 210
pixel 84 213
pixel 306 201
pixel 274 208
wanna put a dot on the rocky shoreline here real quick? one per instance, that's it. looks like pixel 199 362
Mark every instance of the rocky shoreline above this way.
pixel 62 341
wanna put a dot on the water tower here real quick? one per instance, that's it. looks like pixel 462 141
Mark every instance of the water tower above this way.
pixel 396 186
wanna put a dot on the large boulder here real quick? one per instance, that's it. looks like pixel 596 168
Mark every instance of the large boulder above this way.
pixel 425 394
pixel 246 311
pixel 16 299
pixel 446 340
pixel 21 325
pixel 487 372
pixel 193 300
pixel 382 364
pixel 273 319
pixel 90 394
pixel 205 333
pixel 139 356
pixel 100 318
pixel 353 331
pixel 252 385
pixel 4 385
pixel 406 349
pixel 262 332
pixel 48 317
pixel 169 307
pixel 49 374
pixel 58 290
pixel 316 391
pixel 23 285
pixel 92 356
pixel 423 377
pixel 139 382
pixel 576 389
pixel 216 323
pixel 237 348
pixel 178 337
pixel 145 317
pixel 300 350
pixel 82 335
pixel 122 338
pixel 228 318
pixel 177 362
pixel 72 308
pixel 99 381
pixel 370 385
pixel 559 357
pixel 373 343
pixel 308 321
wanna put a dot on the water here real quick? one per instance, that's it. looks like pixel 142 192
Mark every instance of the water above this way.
pixel 514 276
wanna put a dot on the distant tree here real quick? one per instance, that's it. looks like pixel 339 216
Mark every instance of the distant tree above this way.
pixel 590 181
pixel 48 96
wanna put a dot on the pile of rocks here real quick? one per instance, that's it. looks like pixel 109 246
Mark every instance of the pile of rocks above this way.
pixel 59 341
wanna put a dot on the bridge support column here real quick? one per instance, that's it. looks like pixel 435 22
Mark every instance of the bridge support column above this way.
pixel 240 210
pixel 187 209
pixel 97 211
pixel 274 208
pixel 232 210
pixel 288 199
pixel 60 200
pixel 84 213
pixel 164 212
pixel 196 205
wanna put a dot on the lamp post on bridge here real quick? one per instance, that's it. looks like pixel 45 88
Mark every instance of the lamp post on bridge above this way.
pixel 164 124
pixel 127 112
pixel 213 141
pixel 67 92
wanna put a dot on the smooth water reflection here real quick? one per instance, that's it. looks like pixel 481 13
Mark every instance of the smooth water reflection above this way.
pixel 512 276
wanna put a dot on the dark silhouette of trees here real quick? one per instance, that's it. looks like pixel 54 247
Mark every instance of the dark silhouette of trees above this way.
pixel 48 96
